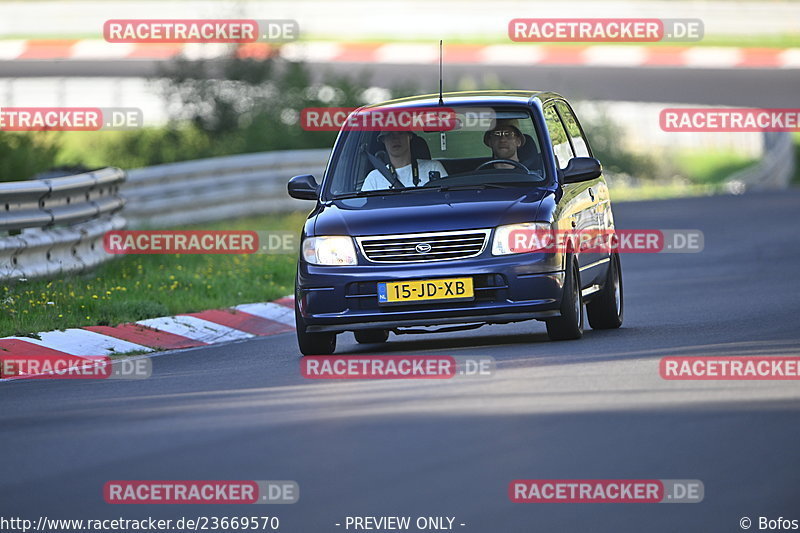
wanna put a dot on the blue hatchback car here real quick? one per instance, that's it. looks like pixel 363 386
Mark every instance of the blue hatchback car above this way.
pixel 411 229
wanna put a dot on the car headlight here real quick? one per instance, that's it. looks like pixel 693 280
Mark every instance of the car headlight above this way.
pixel 330 250
pixel 503 236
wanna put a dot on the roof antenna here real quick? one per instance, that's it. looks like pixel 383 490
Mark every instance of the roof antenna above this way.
pixel 441 101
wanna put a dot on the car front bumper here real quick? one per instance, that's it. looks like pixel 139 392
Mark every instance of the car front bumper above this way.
pixel 507 289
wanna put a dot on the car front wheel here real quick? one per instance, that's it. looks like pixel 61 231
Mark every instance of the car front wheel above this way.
pixel 313 343
pixel 605 310
pixel 569 325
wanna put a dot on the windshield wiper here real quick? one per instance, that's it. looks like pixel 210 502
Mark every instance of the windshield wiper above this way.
pixel 465 187
pixel 359 194
pixel 384 192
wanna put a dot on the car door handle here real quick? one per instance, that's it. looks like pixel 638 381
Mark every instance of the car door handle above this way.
pixel 591 193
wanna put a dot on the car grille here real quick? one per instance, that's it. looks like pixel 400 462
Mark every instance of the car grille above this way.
pixel 419 247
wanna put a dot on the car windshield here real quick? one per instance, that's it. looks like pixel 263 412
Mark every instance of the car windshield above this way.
pixel 474 148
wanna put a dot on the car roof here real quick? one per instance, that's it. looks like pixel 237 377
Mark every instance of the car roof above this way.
pixel 470 98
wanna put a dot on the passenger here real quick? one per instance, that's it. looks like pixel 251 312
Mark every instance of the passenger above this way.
pixel 410 171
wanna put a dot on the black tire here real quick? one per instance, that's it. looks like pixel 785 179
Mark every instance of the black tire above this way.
pixel 312 343
pixel 371 336
pixel 606 309
pixel 569 325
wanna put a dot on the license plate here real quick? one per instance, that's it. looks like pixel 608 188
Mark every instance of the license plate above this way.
pixel 425 289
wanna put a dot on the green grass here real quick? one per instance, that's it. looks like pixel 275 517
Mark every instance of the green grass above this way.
pixel 698 174
pixel 710 167
pixel 123 355
pixel 135 287
pixel 653 191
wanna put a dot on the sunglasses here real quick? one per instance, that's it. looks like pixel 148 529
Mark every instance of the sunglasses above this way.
pixel 503 133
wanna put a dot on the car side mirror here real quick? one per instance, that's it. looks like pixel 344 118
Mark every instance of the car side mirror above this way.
pixel 304 187
pixel 582 169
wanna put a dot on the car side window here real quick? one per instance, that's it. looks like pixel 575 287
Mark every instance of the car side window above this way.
pixel 558 136
pixel 573 130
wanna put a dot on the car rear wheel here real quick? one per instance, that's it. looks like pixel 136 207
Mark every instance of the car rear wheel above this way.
pixel 569 325
pixel 312 343
pixel 606 309
pixel 371 336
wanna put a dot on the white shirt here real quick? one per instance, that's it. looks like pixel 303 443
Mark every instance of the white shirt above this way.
pixel 376 181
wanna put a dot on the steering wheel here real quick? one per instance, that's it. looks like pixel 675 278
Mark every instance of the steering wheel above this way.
pixel 509 161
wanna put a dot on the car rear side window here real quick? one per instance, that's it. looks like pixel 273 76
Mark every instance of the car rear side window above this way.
pixel 558 136
pixel 573 130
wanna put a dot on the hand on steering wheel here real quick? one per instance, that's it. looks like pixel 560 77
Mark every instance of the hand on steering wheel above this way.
pixel 508 161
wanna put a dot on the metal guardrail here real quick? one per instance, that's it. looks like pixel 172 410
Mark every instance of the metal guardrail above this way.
pixel 774 171
pixel 55 226
pixel 216 189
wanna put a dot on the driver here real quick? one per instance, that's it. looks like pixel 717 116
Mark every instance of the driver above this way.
pixel 411 173
pixel 504 140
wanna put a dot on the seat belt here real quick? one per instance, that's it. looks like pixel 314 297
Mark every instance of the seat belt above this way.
pixel 380 166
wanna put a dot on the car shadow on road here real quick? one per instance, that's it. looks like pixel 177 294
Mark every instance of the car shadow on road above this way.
pixel 534 348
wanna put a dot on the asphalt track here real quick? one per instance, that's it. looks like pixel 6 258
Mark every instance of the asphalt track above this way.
pixel 593 408
pixel 734 87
